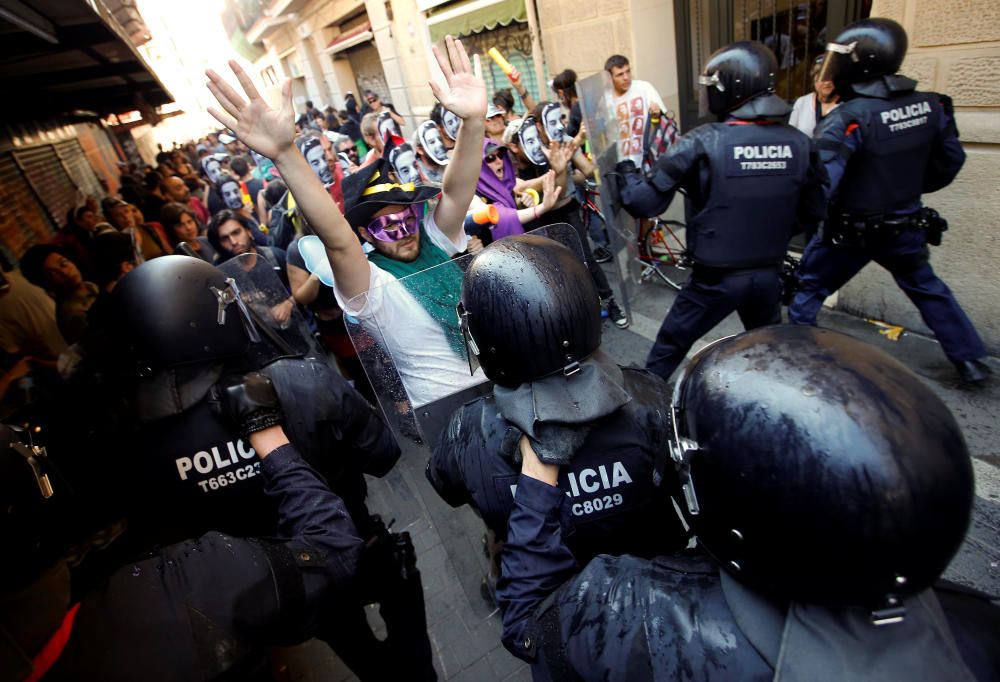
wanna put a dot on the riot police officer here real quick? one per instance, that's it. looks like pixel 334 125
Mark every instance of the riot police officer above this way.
pixel 200 609
pixel 882 148
pixel 530 312
pixel 203 328
pixel 829 488
pixel 752 182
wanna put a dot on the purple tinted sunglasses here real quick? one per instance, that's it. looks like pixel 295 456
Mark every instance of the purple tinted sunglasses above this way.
pixel 395 226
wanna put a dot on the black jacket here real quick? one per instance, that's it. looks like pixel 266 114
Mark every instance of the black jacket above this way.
pixel 196 467
pixel 614 481
pixel 751 184
pixel 206 607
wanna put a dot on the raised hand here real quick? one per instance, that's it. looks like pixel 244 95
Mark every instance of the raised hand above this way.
pixel 550 192
pixel 265 130
pixel 465 95
pixel 558 155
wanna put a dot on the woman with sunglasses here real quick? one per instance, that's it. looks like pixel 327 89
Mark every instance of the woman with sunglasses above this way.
pixel 496 187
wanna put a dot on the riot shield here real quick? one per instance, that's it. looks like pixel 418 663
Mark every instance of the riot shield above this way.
pixel 409 341
pixel 277 322
pixel 404 332
pixel 603 131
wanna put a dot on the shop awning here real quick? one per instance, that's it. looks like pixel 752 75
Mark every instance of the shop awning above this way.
pixel 356 36
pixel 474 16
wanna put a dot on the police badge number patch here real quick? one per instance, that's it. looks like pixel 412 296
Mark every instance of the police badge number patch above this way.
pixel 760 159
pixel 909 118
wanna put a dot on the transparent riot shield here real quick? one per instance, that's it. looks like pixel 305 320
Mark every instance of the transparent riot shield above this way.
pixel 277 321
pixel 410 342
pixel 604 132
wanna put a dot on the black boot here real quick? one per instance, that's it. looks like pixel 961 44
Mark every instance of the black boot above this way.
pixel 973 372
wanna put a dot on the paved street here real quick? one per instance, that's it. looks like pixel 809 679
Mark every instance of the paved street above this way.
pixel 465 632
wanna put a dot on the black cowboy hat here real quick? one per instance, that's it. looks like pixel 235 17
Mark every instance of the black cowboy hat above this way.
pixel 376 186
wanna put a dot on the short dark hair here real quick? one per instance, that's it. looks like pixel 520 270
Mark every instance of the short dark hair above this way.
pixel 240 165
pixel 566 81
pixel 309 104
pixel 33 263
pixel 224 216
pixel 504 98
pixel 437 112
pixel 273 192
pixel 152 180
pixel 110 251
pixel 615 61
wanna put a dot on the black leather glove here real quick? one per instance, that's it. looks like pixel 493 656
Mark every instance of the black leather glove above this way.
pixel 250 402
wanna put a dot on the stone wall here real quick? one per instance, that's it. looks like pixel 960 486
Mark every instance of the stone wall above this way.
pixel 954 49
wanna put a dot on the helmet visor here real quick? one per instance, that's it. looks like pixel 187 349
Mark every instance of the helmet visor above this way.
pixel 838 61
pixel 471 347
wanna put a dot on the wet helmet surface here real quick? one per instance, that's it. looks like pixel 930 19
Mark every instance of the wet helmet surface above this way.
pixel 819 468
pixel 169 309
pixel 529 308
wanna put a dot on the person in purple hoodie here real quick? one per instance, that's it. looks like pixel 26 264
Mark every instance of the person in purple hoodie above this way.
pixel 496 187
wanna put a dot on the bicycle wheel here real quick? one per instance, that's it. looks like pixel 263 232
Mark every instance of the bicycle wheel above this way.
pixel 665 250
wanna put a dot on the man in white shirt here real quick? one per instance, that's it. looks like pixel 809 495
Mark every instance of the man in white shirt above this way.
pixel 408 229
pixel 634 101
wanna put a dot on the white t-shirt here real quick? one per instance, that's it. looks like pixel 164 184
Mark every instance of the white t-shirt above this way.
pixel 632 110
pixel 426 363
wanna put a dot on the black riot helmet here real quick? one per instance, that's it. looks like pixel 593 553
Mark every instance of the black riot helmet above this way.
pixel 529 308
pixel 176 310
pixel 737 73
pixel 816 468
pixel 864 51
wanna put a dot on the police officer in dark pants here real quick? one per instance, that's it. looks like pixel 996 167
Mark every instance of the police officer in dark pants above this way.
pixel 752 182
pixel 531 314
pixel 204 608
pixel 203 329
pixel 829 488
pixel 882 148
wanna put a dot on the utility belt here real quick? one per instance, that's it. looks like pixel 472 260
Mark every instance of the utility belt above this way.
pixel 852 230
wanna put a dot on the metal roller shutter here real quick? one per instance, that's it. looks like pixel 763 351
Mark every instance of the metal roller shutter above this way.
pixel 23 219
pixel 47 175
pixel 75 161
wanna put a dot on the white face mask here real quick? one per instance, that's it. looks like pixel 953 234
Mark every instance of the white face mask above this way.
pixel 552 120
pixel 433 144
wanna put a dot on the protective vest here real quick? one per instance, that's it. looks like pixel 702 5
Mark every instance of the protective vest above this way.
pixel 193 465
pixel 625 618
pixel 887 173
pixel 750 191
pixel 616 502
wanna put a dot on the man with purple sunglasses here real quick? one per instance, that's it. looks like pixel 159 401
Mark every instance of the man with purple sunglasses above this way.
pixel 409 227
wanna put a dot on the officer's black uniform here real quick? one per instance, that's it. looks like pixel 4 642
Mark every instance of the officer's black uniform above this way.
pixel 196 466
pixel 829 486
pixel 204 608
pixel 882 149
pixel 752 182
pixel 613 481
pixel 597 627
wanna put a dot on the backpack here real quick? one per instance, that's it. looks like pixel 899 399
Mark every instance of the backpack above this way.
pixel 284 222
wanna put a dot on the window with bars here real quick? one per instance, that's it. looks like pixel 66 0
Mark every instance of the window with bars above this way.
pixel 797 32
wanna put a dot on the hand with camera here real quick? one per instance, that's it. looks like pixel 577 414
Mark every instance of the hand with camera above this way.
pixel 251 404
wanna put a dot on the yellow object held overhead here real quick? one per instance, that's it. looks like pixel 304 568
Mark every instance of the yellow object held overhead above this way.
pixel 504 65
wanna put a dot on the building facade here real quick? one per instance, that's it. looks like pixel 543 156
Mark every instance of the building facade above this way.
pixel 330 47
